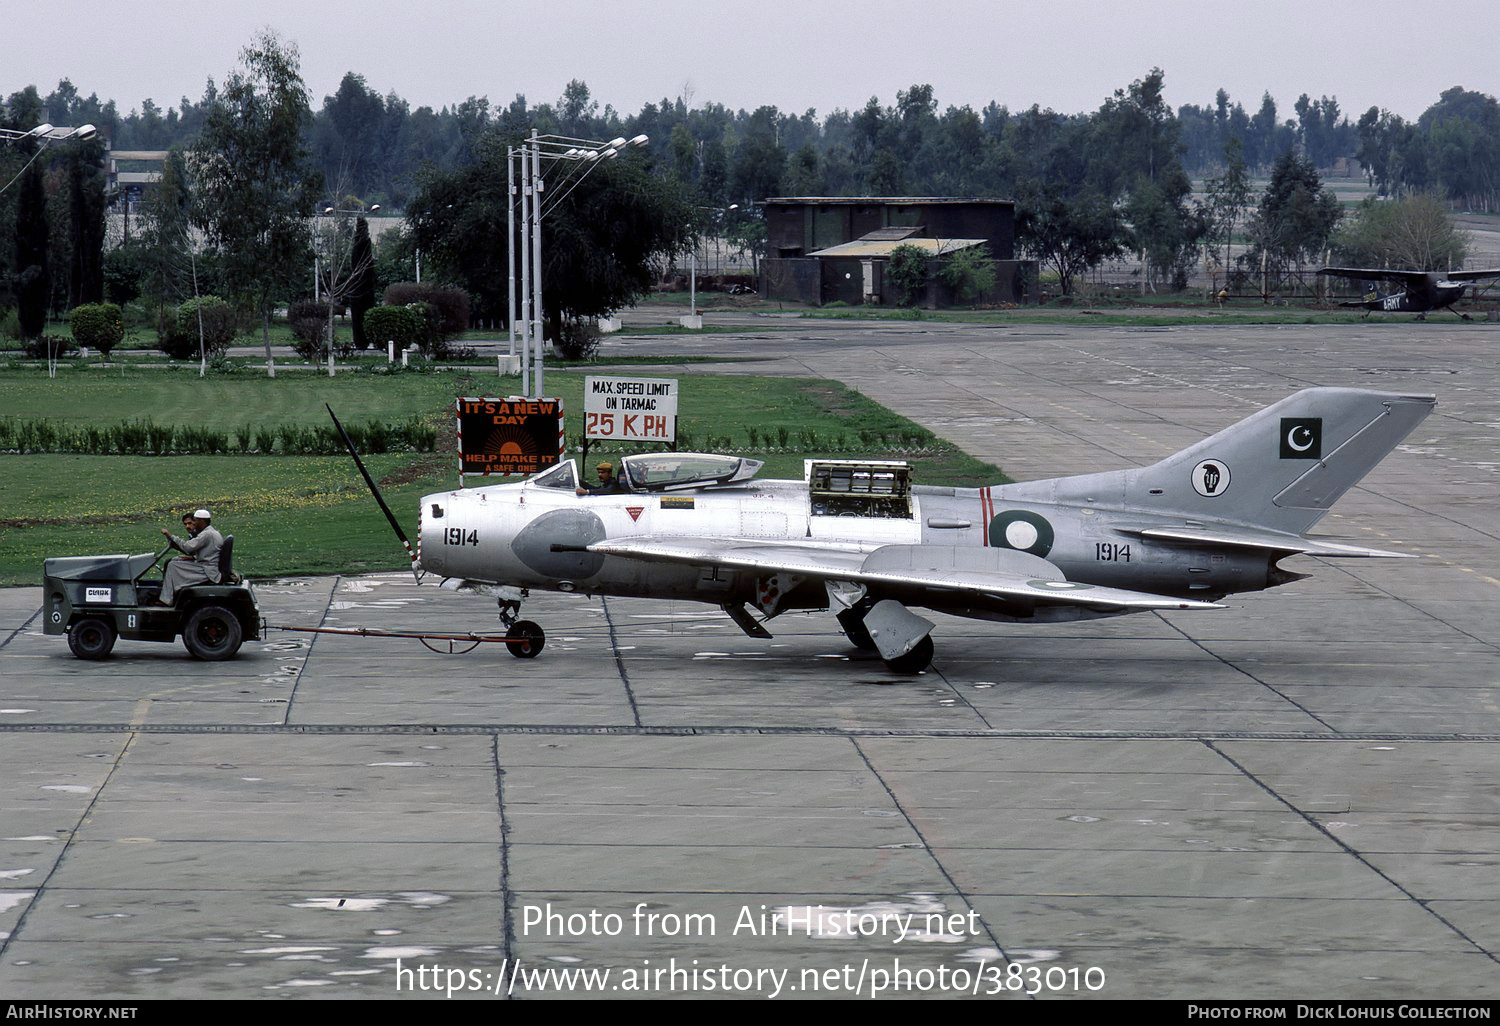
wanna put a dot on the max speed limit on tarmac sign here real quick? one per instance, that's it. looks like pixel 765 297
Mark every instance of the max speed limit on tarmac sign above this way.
pixel 630 409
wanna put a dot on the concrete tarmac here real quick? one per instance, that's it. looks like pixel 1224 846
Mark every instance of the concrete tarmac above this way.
pixel 1293 797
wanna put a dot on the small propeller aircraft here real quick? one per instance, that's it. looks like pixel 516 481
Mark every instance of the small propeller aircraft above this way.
pixel 1420 291
pixel 860 538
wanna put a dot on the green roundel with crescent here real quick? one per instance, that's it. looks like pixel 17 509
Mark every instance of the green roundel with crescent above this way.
pixel 1022 530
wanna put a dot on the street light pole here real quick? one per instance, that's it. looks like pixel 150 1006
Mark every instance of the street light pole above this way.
pixel 525 277
pixel 510 245
pixel 536 281
pixel 533 150
pixel 44 134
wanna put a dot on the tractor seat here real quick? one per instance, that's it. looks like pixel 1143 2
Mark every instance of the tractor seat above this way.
pixel 226 570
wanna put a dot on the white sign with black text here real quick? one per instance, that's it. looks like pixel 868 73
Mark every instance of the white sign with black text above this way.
pixel 630 409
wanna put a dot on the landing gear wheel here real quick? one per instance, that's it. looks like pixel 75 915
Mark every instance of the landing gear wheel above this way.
pixel 526 639
pixel 212 633
pixel 915 661
pixel 92 638
pixel 852 623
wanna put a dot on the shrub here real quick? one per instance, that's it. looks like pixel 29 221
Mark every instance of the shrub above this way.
pixel 906 274
pixel 309 324
pixel 48 346
pixel 433 337
pixel 399 324
pixel 99 326
pixel 578 340
pixel 970 273
pixel 177 330
pixel 452 304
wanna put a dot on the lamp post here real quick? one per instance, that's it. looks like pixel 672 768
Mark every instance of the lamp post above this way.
pixel 577 158
pixel 43 134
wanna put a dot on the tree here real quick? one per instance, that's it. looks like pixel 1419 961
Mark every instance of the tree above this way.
pixel 1294 220
pixel 1228 196
pixel 1072 235
pixel 33 280
pixel 165 244
pixel 362 289
pixel 599 241
pixel 1413 233
pixel 86 222
pixel 254 184
pixel 747 234
pixel 759 160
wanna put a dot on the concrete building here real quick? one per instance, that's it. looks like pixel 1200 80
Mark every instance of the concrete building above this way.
pixel 826 249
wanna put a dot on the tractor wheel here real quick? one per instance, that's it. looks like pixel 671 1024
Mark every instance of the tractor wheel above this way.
pixel 212 633
pixel 526 639
pixel 92 638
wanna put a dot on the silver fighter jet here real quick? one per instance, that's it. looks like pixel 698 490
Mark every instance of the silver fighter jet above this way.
pixel 860 538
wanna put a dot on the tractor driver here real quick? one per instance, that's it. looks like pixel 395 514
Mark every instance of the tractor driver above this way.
pixel 199 562
pixel 608 483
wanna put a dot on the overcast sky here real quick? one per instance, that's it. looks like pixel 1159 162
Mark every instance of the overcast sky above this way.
pixel 1069 55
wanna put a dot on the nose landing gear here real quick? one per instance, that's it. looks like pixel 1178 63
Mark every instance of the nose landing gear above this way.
pixel 524 638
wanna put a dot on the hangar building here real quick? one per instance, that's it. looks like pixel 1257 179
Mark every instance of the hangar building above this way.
pixel 826 249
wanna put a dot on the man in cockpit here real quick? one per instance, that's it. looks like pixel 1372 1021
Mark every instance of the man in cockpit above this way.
pixel 608 483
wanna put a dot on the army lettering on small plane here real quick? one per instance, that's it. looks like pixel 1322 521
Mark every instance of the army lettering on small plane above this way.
pixel 861 539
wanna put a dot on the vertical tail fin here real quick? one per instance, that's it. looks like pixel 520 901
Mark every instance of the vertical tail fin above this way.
pixel 1282 468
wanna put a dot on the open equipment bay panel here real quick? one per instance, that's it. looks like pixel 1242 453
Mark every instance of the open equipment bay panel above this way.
pixel 859 488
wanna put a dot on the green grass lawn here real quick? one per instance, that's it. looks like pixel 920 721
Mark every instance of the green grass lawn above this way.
pixel 308 514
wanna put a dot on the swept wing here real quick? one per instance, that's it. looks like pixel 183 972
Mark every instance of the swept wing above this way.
pixel 999 573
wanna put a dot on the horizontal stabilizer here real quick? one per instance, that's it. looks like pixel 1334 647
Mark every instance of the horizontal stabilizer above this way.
pixel 1273 541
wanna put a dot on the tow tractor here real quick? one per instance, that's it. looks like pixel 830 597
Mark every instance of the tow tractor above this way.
pixel 96 599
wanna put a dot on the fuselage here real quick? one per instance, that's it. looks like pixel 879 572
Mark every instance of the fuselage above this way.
pixel 1434 293
pixel 531 535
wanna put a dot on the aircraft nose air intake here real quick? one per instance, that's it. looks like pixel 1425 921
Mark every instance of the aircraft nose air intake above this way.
pixel 568 528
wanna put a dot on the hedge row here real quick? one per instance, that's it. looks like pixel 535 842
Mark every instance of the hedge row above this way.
pixel 145 438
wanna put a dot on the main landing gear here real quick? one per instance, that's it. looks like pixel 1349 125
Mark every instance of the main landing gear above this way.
pixel 902 638
pixel 524 638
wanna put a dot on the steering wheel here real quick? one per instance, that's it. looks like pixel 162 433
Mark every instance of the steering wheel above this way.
pixel 152 566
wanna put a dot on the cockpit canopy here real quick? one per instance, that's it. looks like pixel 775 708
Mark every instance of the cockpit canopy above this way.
pixel 564 475
pixel 662 472
pixel 680 471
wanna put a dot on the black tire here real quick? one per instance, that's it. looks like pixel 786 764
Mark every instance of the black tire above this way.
pixel 915 661
pixel 92 638
pixel 526 639
pixel 852 623
pixel 212 633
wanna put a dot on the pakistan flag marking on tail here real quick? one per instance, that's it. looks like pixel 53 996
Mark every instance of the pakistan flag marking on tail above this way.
pixel 1301 438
